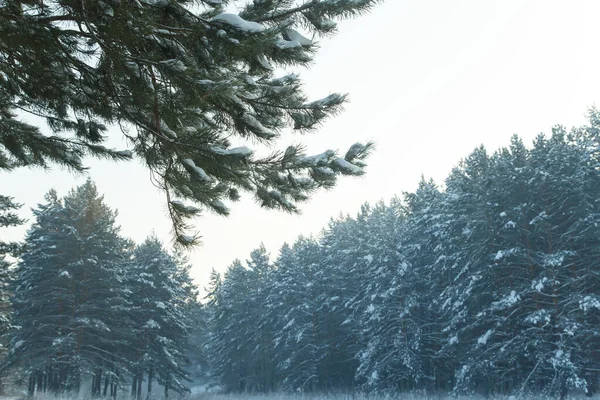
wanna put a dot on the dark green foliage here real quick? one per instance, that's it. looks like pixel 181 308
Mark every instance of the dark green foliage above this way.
pixel 68 301
pixel 244 359
pixel 489 286
pixel 91 307
pixel 8 218
pixel 162 300
pixel 185 81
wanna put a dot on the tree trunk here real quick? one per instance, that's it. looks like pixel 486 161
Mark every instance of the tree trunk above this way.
pixel 62 379
pixel 75 381
pixel 113 392
pixel 564 391
pixel 97 383
pixel 139 385
pixel 105 385
pixel 150 374
pixel 167 387
pixel 40 382
pixel 113 389
pixel 47 379
pixel 31 388
pixel 134 386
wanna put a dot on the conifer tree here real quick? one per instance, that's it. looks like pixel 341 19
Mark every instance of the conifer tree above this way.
pixel 298 343
pixel 396 317
pixel 160 296
pixel 186 81
pixel 229 348
pixel 489 286
pixel 357 251
pixel 8 218
pixel 69 300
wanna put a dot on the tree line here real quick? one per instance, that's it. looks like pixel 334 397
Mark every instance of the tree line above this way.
pixel 489 285
pixel 85 303
pixel 486 285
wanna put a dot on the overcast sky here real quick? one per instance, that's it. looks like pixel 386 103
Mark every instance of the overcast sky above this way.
pixel 429 80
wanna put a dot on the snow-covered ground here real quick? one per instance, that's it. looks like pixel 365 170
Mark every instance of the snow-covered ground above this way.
pixel 203 393
pixel 281 396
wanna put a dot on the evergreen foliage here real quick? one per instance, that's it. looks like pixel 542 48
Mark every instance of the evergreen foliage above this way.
pixel 91 307
pixel 488 286
pixel 8 218
pixel 187 82
pixel 159 295
pixel 67 297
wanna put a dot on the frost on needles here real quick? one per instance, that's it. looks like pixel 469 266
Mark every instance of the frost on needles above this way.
pixel 185 81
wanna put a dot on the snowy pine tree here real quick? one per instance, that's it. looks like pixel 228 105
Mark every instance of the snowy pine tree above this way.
pixel 300 349
pixel 488 286
pixel 240 342
pixel 8 218
pixel 160 292
pixel 69 300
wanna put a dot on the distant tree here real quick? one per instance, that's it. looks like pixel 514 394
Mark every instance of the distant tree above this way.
pixel 240 344
pixel 187 299
pixel 69 300
pixel 161 293
pixel 355 251
pixel 396 319
pixel 231 320
pixel 198 365
pixel 186 81
pixel 296 299
pixel 8 218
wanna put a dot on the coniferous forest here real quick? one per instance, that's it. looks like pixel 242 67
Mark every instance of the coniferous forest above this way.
pixel 486 285
pixel 86 305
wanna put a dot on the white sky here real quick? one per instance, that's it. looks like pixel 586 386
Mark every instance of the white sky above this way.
pixel 429 80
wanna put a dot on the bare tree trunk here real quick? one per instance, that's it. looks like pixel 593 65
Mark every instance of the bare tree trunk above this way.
pixel 97 383
pixel 105 385
pixel 150 374
pixel 31 388
pixel 46 384
pixel 564 390
pixel 139 385
pixel 76 381
pixel 167 387
pixel 40 382
pixel 113 385
pixel 134 386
